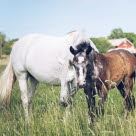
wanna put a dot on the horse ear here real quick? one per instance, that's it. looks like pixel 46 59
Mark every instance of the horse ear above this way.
pixel 72 50
pixel 88 50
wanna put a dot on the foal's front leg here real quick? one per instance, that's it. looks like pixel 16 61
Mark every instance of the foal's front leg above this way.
pixel 90 97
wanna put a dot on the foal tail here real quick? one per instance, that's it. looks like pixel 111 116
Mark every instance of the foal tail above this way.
pixel 7 81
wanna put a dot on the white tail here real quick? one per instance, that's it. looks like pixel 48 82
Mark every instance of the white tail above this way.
pixel 7 81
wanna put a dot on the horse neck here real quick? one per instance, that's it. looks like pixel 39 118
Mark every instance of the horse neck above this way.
pixel 74 38
pixel 95 64
pixel 96 57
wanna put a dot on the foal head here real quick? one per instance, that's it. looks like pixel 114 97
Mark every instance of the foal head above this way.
pixel 80 62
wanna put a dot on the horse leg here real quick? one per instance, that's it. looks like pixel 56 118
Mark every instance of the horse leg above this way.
pixel 102 92
pixel 32 87
pixel 24 88
pixel 130 99
pixel 90 97
pixel 125 89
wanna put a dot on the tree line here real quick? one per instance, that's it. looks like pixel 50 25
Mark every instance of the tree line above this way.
pixel 5 45
pixel 101 43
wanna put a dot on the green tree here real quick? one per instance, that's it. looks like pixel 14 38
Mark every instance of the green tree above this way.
pixel 116 34
pixel 102 44
pixel 131 37
pixel 2 41
pixel 8 46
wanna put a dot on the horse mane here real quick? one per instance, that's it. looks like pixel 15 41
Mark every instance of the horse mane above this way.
pixel 71 31
pixel 83 45
pixel 80 41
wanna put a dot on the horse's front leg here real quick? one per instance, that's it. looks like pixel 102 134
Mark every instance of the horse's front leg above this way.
pixel 90 97
pixel 102 98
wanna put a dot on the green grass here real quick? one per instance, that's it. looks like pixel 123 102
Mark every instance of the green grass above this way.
pixel 49 119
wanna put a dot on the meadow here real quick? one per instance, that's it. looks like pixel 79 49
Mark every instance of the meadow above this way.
pixel 49 119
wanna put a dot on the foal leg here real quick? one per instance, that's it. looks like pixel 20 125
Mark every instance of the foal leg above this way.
pixel 32 87
pixel 90 97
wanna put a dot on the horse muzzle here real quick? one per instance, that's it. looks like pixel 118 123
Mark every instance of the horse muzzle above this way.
pixel 63 104
pixel 81 86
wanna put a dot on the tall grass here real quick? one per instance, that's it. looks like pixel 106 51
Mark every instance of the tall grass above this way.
pixel 49 119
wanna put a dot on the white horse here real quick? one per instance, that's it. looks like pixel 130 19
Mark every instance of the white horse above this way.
pixel 41 58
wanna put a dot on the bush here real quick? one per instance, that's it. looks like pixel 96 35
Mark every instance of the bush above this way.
pixel 102 44
pixel 6 50
pixel 8 46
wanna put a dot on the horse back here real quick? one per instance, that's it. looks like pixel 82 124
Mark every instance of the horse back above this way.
pixel 120 63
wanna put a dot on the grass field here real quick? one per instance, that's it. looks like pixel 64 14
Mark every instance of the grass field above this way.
pixel 48 118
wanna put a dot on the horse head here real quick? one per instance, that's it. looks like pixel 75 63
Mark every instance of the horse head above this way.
pixel 80 63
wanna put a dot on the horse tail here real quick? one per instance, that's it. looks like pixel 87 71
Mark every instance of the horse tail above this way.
pixel 7 81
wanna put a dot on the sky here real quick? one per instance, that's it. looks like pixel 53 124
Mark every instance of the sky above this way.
pixel 58 17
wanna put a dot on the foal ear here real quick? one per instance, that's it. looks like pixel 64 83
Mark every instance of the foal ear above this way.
pixel 88 50
pixel 72 50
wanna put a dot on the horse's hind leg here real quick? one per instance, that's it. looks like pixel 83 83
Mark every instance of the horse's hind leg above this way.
pixel 126 91
pixel 24 89
pixel 32 87
pixel 130 99
pixel 27 92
